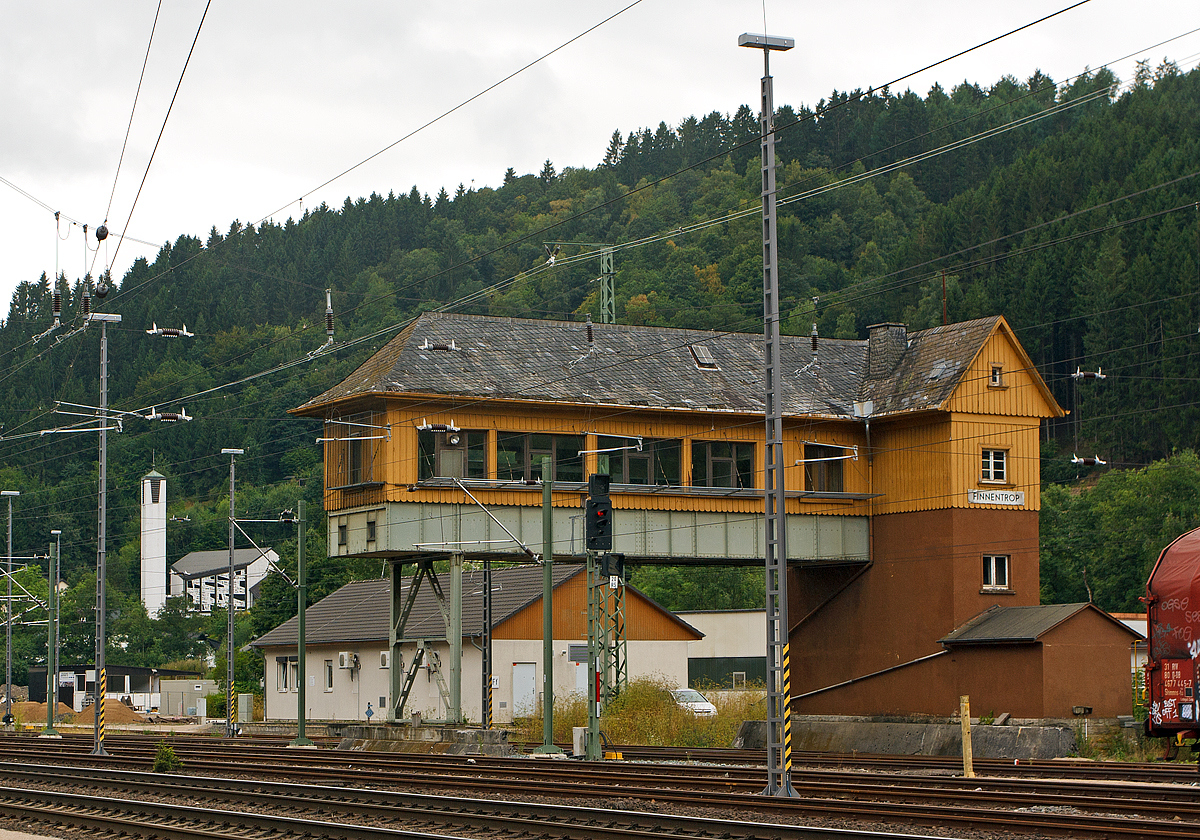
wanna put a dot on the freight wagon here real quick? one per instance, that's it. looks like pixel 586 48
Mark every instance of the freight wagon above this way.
pixel 1173 640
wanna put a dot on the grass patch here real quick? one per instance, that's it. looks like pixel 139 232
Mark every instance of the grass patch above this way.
pixel 645 714
pixel 1130 745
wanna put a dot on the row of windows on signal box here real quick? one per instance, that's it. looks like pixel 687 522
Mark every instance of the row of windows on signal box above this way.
pixel 652 462
pixel 463 454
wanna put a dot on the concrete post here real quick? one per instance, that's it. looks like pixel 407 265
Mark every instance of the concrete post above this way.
pixel 964 711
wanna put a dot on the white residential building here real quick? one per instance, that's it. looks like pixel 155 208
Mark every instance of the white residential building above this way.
pixel 204 577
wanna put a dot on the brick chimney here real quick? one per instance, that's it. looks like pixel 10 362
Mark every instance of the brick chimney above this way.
pixel 886 344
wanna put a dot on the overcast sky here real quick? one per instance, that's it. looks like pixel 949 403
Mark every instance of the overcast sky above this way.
pixel 281 97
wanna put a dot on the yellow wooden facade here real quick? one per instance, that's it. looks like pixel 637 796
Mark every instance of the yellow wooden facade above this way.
pixel 394 460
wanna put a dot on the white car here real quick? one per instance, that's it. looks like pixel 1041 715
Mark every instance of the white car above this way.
pixel 694 702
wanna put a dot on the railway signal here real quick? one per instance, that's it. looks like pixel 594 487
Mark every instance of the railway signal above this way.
pixel 598 527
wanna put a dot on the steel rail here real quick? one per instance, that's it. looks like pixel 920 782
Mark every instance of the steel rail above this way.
pixel 966 812
pixel 432 771
pixel 156 819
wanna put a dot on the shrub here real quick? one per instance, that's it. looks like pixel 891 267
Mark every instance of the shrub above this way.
pixel 165 760
pixel 646 714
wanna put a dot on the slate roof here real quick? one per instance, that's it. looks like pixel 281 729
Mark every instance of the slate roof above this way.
pixel 654 367
pixel 361 611
pixel 205 563
pixel 1018 625
pixel 930 369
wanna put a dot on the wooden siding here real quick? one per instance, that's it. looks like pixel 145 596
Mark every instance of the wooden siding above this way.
pixel 971 434
pixel 911 464
pixel 1021 392
pixel 644 621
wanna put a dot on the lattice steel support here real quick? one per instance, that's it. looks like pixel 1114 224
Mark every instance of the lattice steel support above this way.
pixel 595 646
pixel 616 673
pixel 608 302
pixel 401 684
pixel 779 746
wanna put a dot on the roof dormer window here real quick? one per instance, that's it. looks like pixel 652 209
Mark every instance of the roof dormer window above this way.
pixel 704 357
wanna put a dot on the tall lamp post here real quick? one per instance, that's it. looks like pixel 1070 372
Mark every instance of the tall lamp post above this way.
pixel 779 744
pixel 229 653
pixel 8 716
pixel 101 681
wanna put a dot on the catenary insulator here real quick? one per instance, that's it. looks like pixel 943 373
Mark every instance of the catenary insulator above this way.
pixel 57 304
pixel 87 303
pixel 328 313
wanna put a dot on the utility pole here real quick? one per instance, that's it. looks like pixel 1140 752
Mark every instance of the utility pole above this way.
pixel 779 745
pixel 8 715
pixel 100 684
pixel 229 652
pixel 57 534
pixel 548 746
pixel 51 644
pixel 301 603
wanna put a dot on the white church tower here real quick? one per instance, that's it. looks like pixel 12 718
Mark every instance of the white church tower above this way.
pixel 154 542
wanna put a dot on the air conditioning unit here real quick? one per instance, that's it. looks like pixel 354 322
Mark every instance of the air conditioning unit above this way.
pixel 384 658
pixel 345 659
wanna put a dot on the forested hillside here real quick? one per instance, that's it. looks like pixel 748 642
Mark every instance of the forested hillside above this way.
pixel 1070 208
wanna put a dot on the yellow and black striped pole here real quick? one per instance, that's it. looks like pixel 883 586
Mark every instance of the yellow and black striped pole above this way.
pixel 102 689
pixel 786 702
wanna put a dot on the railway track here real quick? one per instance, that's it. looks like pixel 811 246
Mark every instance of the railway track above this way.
pixel 225 805
pixel 1042 768
pixel 1019 805
pixel 657 767
pixel 222 805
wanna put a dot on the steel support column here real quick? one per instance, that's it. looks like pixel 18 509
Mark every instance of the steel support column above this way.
pixel 779 748
pixel 487 644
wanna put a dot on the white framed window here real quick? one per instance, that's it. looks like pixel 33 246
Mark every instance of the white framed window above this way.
pixel 281 677
pixel 995 571
pixel 996 379
pixel 328 675
pixel 294 674
pixel 994 466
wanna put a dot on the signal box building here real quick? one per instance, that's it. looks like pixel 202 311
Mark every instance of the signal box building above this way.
pixel 912 477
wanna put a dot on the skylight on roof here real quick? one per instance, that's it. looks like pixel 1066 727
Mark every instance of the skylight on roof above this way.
pixel 704 357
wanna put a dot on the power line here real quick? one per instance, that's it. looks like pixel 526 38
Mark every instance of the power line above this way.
pixel 133 110
pixel 166 117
